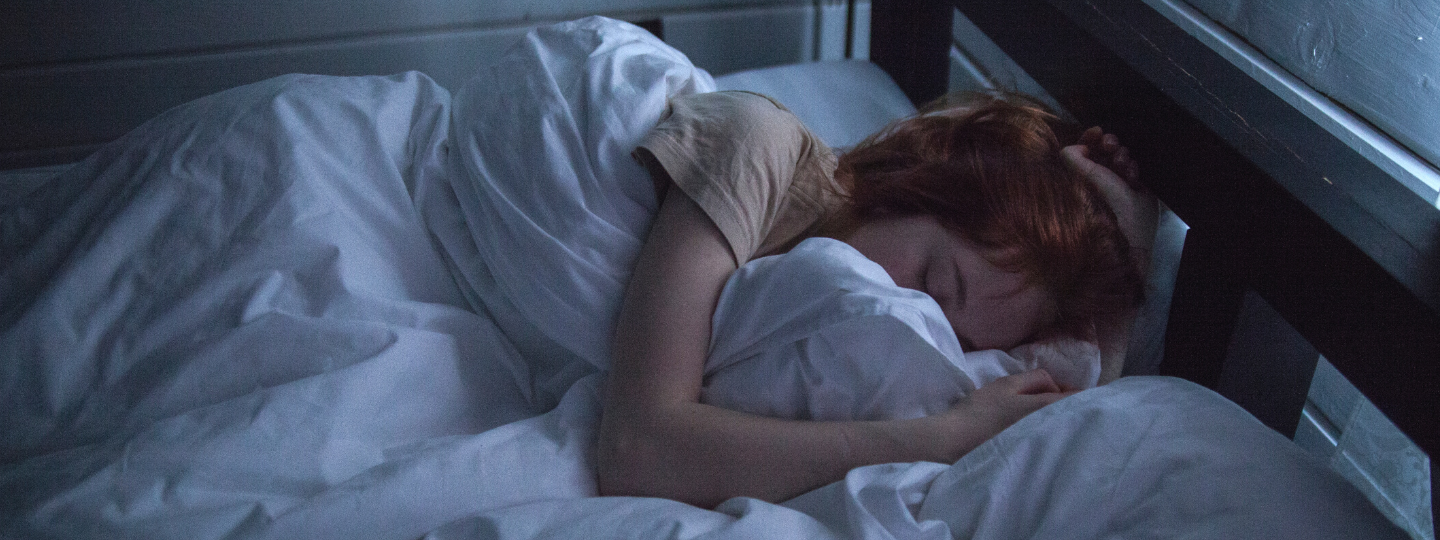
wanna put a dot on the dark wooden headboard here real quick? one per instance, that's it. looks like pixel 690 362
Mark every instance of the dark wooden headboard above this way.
pixel 1281 213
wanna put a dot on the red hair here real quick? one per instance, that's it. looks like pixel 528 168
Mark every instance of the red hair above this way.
pixel 988 166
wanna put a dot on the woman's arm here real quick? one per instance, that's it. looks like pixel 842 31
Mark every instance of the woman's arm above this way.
pixel 656 439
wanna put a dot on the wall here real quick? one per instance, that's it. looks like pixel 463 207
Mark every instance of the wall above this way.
pixel 1379 59
pixel 77 73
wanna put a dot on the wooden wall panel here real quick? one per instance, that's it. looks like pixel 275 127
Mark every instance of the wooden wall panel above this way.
pixel 74 108
pixel 48 31
pixel 77 73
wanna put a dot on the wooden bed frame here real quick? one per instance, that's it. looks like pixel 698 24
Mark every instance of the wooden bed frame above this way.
pixel 1297 244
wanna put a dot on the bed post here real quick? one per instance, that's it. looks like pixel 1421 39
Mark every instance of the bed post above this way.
pixel 1203 310
pixel 910 40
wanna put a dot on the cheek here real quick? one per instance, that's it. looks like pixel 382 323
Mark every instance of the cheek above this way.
pixel 1002 324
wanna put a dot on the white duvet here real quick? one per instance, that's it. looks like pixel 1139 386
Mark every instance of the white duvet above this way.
pixel 321 307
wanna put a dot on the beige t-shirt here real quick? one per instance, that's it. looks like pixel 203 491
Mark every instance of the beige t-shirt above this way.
pixel 748 162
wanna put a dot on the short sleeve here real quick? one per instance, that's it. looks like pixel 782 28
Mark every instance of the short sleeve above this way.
pixel 738 156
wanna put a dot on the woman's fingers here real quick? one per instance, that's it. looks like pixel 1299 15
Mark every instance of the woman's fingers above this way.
pixel 1028 383
pixel 1105 150
pixel 1104 177
pixel 1091 136
pixel 1100 157
pixel 1036 381
pixel 1126 168
pixel 1117 177
pixel 993 407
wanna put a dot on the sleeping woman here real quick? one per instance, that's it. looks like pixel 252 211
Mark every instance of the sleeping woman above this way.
pixel 973 201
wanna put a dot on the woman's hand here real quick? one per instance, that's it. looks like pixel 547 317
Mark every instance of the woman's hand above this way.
pixel 1101 159
pixel 991 408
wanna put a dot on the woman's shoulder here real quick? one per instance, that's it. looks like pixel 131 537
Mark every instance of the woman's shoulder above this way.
pixel 746 112
pixel 740 99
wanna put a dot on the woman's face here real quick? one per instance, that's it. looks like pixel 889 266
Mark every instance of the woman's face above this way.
pixel 989 308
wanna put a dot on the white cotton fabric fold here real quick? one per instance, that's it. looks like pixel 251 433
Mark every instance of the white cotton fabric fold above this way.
pixel 556 207
pixel 234 318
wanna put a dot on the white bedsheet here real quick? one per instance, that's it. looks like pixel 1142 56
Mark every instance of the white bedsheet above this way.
pixel 233 318
pixel 249 319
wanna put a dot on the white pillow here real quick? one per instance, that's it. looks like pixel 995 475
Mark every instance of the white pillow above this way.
pixel 822 333
pixel 841 101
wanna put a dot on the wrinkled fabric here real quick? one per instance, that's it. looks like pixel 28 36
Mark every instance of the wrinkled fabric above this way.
pixel 555 206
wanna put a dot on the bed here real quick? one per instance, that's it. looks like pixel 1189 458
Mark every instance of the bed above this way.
pixel 363 307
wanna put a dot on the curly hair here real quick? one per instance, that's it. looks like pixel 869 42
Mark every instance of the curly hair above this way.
pixel 988 166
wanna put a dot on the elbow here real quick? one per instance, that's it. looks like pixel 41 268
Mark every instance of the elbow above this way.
pixel 636 462
pixel 612 469
pixel 624 462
